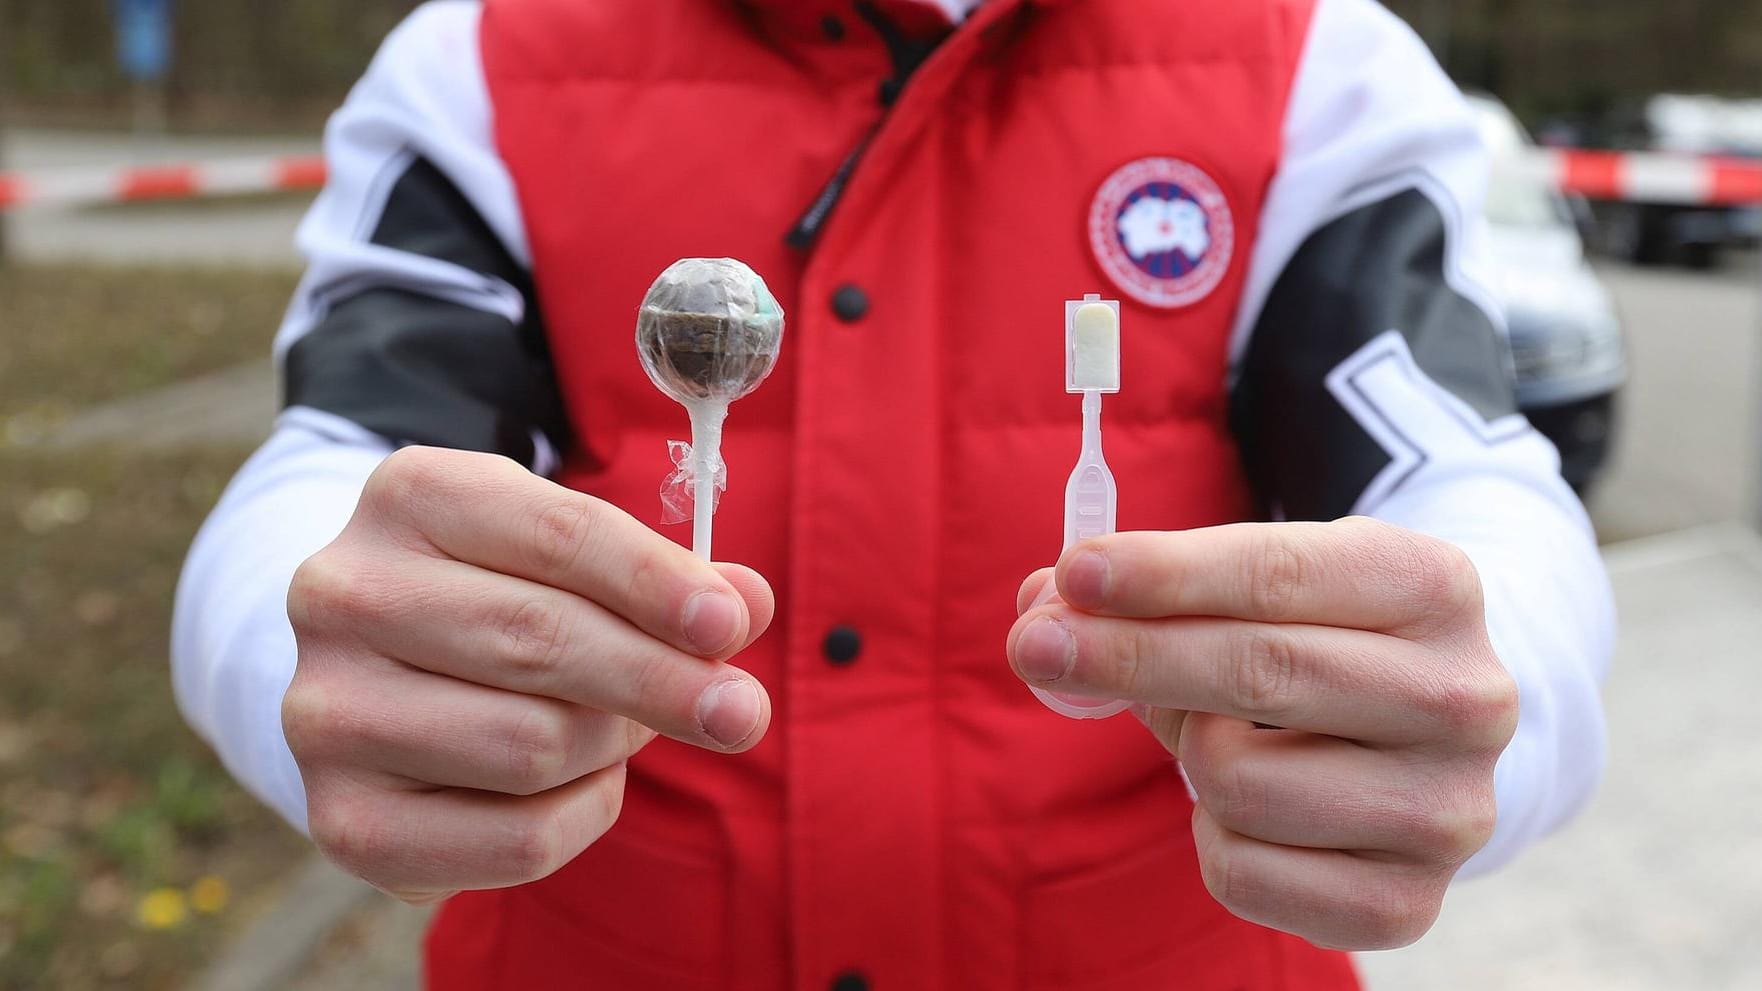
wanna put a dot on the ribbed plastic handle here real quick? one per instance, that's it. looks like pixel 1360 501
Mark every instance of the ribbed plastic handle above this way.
pixel 1091 500
pixel 1089 503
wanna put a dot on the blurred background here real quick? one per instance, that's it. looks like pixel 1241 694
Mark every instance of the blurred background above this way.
pixel 137 302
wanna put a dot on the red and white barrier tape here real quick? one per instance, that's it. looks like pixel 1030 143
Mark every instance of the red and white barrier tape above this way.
pixel 1633 176
pixel 85 185
pixel 1645 177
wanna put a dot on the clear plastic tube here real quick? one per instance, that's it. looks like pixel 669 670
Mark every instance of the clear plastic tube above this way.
pixel 1091 495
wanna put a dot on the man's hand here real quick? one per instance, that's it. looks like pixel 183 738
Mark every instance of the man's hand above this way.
pixel 1364 648
pixel 480 652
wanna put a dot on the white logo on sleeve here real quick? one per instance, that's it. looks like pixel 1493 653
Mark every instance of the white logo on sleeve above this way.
pixel 1154 225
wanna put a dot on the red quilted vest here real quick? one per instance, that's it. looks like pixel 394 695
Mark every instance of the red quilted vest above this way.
pixel 914 820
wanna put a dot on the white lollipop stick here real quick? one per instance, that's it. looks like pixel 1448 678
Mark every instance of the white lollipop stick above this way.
pixel 706 462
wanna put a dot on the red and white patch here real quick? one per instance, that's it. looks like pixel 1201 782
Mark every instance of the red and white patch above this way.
pixel 1161 229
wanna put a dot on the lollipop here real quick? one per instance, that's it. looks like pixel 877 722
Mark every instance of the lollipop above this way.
pixel 708 333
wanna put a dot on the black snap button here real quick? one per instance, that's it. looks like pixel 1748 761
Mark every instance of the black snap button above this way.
pixel 832 28
pixel 850 980
pixel 842 645
pixel 850 303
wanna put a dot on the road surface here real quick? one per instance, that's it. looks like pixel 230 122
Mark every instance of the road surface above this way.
pixel 1690 422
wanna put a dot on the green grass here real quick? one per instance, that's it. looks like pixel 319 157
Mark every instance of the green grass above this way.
pixel 111 810
pixel 80 334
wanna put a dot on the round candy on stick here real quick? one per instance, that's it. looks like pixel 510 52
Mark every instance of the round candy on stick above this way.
pixel 708 333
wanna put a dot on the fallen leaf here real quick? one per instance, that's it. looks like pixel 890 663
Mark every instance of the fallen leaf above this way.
pixel 209 894
pixel 162 908
pixel 104 895
pixel 120 959
pixel 97 607
pixel 15 740
pixel 54 508
pixel 33 841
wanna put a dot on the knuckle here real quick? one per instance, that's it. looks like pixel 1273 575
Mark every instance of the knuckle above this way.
pixel 328 590
pixel 534 640
pixel 402 476
pixel 636 736
pixel 324 721
pixel 1437 574
pixel 1478 821
pixel 1240 800
pixel 1277 574
pixel 534 846
pixel 1132 660
pixel 611 795
pixel 562 529
pixel 307 718
pixel 351 835
pixel 1501 707
pixel 538 751
pixel 1228 880
pixel 1392 913
pixel 1468 827
pixel 1264 669
pixel 312 593
pixel 1478 707
pixel 1447 830
pixel 646 566
pixel 652 693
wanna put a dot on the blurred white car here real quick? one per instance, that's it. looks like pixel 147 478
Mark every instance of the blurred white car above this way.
pixel 1566 341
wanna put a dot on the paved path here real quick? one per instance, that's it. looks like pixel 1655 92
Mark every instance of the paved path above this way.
pixel 231 407
pixel 1689 438
pixel 307 917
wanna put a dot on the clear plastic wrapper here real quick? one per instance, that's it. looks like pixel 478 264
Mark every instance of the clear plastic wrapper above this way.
pixel 679 489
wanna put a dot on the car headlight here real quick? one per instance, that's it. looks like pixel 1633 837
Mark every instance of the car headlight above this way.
pixel 1547 348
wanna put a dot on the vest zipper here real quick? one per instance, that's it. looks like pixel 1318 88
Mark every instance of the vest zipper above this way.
pixel 907 55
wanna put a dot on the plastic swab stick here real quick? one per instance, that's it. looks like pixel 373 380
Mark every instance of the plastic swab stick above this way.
pixel 1092 367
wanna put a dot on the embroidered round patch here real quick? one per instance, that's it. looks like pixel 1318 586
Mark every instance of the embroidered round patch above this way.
pixel 1161 229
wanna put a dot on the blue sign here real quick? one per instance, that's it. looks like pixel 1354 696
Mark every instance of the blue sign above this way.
pixel 143 37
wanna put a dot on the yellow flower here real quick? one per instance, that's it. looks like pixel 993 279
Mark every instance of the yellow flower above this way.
pixel 209 894
pixel 162 908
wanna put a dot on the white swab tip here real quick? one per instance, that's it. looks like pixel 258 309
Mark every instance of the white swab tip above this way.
pixel 1094 362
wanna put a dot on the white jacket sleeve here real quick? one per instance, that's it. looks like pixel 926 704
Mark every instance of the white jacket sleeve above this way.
pixel 232 650
pixel 413 324
pixel 1370 375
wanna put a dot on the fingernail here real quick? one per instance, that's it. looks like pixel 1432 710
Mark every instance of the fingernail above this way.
pixel 729 711
pixel 1045 651
pixel 711 620
pixel 1086 580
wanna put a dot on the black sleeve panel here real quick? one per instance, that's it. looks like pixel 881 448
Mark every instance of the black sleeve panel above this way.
pixel 418 368
pixel 426 214
pixel 1379 268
